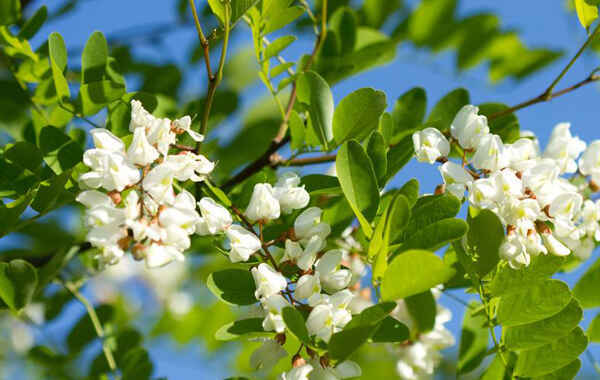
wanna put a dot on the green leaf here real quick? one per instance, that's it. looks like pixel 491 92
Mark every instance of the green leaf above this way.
pixel 280 69
pixel 533 303
pixel 413 272
pixel 96 95
pixel 411 191
pixel 399 155
pixel 248 328
pixel 377 151
pixel 433 236
pixel 532 335
pixel 34 23
pixel 358 330
pixel 358 182
pixel 386 127
pixel 496 370
pixel 320 184
pixel 296 324
pixel 473 339
pixel 446 108
pixel 277 46
pixel 343 22
pixel 297 131
pixel 233 286
pixel 57 52
pixel 10 212
pixel 24 155
pixel 83 332
pixel 314 93
pixel 119 113
pixel 586 289
pixel 358 114
pixel 593 331
pixel 567 372
pixel 60 152
pixel 551 357
pixel 430 209
pixel 94 58
pixel 10 12
pixel 136 364
pixel 238 9
pixel 18 281
pixel 408 113
pixel 390 331
pixel 485 236
pixel 507 127
pixel 49 193
pixel 509 280
pixel 422 309
pixel 586 13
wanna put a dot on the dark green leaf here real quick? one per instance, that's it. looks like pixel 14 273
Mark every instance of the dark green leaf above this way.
pixel 507 127
pixel 234 286
pixel 57 52
pixel 136 365
pixel 586 289
pixel 411 191
pixel 18 281
pixel 408 113
pixel 423 309
pixel 434 236
pixel 314 93
pixel 358 114
pixel 296 324
pixel 60 152
pixel 447 107
pixel 251 327
pixel 358 182
pixel 10 12
pixel 391 330
pixel 25 155
pixel 34 23
pixel 594 330
pixel 343 22
pixel 485 236
pixel 83 332
pixel 96 95
pixel 377 151
pixel 473 340
pixel 430 209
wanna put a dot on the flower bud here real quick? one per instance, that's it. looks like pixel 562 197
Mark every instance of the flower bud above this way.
pixel 263 205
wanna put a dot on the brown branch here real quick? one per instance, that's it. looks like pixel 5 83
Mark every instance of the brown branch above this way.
pixel 279 161
pixel 544 97
pixel 184 147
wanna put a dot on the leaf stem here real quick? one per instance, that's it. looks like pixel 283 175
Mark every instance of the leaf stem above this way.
pixel 203 40
pixel 95 321
pixel 491 325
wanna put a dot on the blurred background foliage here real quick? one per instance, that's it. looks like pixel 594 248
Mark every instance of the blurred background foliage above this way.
pixel 51 93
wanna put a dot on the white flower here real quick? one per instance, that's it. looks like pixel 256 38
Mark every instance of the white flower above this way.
pixel 289 193
pixel 344 370
pixel 132 207
pixel 304 258
pixel 263 205
pixel 105 140
pixel 554 246
pixel 273 305
pixel 110 170
pixel 514 252
pixel 188 165
pixel 564 148
pixel 185 124
pixel 332 278
pixel 215 218
pixel 93 198
pixel 456 178
pixel 158 255
pixel 158 183
pixel 565 206
pixel 267 355
pixel 468 127
pixel 140 118
pixel 268 281
pixel 589 163
pixel 430 144
pixel 522 153
pixel 484 193
pixel 140 151
pixel 320 322
pixel 243 243
pixel 307 286
pixel 308 224
pixel 298 373
pixel 490 154
pixel 161 136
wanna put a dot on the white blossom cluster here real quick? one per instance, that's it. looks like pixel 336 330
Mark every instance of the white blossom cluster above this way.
pixel 419 358
pixel 542 210
pixel 140 208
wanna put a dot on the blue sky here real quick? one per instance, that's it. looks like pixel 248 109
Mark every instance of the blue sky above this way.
pixel 540 23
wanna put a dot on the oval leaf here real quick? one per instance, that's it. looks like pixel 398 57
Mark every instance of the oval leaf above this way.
pixel 233 286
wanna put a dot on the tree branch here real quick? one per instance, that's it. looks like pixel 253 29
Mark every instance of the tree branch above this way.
pixel 203 40
pixel 545 97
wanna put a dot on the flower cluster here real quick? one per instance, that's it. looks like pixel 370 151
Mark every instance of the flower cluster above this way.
pixel 140 208
pixel 419 358
pixel 543 211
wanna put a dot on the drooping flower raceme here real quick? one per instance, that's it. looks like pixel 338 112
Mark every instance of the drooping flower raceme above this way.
pixel 541 211
pixel 142 211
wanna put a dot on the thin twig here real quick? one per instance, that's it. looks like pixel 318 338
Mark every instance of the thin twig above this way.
pixel 571 62
pixel 545 97
pixel 95 321
pixel 203 40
